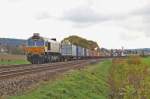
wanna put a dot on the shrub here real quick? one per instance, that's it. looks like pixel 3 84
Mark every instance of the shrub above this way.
pixel 134 60
pixel 129 79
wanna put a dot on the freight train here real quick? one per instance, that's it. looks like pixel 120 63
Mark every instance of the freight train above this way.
pixel 41 50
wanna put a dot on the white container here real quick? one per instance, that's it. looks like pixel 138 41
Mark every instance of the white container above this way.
pixel 80 51
pixel 68 50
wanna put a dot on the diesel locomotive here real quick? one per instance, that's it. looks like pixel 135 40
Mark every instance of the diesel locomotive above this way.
pixel 42 50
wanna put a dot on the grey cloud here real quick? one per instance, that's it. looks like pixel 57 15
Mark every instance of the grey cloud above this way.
pixel 43 16
pixel 138 20
pixel 129 37
pixel 14 0
pixel 84 15
pixel 147 30
pixel 83 25
pixel 143 11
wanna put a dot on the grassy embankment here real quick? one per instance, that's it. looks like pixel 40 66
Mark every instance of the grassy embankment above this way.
pixel 79 84
pixel 119 79
pixel 7 59
pixel 130 78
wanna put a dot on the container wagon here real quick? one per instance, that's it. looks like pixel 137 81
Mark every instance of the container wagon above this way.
pixel 71 52
pixel 68 51
pixel 80 52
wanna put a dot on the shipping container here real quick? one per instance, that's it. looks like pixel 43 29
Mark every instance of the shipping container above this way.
pixel 73 51
pixel 90 53
pixel 68 50
pixel 80 51
pixel 87 52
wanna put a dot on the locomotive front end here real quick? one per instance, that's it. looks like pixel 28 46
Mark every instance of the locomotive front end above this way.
pixel 35 49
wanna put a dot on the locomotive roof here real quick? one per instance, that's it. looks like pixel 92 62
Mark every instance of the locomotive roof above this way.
pixel 43 38
pixel 47 39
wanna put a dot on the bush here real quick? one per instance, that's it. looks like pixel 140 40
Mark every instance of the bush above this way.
pixel 134 60
pixel 130 79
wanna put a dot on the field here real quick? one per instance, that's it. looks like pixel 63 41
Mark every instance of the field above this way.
pixel 7 59
pixel 117 79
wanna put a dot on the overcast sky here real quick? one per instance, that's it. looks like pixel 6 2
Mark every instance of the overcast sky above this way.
pixel 112 23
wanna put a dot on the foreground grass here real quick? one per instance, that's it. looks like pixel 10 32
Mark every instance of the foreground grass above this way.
pixel 9 59
pixel 88 83
pixel 146 60
pixel 13 62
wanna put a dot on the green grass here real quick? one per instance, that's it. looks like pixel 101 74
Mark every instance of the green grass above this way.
pixel 89 83
pixel 123 79
pixel 146 60
pixel 13 62
pixel 10 59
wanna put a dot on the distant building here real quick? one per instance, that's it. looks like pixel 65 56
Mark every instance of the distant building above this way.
pixel 118 52
pixel 3 49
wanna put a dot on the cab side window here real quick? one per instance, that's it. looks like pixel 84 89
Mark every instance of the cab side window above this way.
pixel 49 46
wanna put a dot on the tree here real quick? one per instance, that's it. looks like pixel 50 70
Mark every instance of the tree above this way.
pixel 76 40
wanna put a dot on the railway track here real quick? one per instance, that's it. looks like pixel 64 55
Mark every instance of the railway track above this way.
pixel 13 67
pixel 14 71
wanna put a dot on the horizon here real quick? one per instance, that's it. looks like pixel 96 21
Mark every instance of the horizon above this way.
pixel 88 39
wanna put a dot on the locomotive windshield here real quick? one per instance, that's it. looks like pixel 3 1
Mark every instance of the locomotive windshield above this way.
pixel 37 42
pixel 31 42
